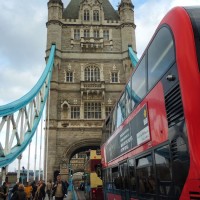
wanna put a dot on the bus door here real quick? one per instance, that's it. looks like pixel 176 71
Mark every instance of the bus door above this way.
pixel 123 171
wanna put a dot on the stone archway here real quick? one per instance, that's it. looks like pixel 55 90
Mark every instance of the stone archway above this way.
pixel 70 151
pixel 77 147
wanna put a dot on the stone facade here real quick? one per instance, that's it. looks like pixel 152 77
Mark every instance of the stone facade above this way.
pixel 90 70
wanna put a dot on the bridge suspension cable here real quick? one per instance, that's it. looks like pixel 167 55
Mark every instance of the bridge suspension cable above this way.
pixel 19 119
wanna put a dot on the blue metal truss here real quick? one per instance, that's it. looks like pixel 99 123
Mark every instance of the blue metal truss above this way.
pixel 28 110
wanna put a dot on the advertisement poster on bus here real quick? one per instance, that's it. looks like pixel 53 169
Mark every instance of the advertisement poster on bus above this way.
pixel 132 135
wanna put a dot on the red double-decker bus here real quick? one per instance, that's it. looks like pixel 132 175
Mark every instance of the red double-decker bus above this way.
pixel 151 140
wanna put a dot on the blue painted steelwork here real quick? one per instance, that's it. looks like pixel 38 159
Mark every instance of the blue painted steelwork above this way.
pixel 23 101
pixel 15 106
pixel 134 61
pixel 133 57
pixel 132 94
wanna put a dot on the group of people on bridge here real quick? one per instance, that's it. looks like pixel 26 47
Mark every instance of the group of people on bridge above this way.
pixel 35 191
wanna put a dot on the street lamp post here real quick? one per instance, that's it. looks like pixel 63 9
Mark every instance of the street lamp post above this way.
pixel 23 168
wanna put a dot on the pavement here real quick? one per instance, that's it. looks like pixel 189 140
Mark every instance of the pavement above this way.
pixel 69 195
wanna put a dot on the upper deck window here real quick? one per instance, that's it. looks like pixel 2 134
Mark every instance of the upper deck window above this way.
pixel 139 89
pixel 194 14
pixel 121 110
pixel 161 56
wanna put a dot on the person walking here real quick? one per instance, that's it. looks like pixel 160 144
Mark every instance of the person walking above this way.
pixel 40 193
pixel 49 189
pixel 28 190
pixel 4 191
pixel 19 194
pixel 15 188
pixel 59 189
pixel 34 186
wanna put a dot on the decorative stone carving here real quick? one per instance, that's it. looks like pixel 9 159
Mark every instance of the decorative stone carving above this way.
pixel 110 101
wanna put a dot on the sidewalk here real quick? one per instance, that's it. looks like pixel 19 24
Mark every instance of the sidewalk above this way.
pixel 69 195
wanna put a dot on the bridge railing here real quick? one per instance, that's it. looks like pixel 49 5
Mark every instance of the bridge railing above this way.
pixel 19 119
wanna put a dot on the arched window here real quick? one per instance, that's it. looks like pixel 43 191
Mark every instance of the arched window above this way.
pixel 92 73
pixel 95 15
pixel 86 15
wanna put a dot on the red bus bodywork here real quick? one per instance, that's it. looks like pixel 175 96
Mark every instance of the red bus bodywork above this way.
pixel 189 79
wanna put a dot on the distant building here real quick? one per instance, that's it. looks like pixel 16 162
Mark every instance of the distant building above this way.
pixel 11 177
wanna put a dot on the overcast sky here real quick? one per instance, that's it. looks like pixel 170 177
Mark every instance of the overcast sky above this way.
pixel 23 39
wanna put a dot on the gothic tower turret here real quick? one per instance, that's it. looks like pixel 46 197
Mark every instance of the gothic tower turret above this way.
pixel 55 11
pixel 126 13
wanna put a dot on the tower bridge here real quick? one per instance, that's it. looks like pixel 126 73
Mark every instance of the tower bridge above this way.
pixel 88 66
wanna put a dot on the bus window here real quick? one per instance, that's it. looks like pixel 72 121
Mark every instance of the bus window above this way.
pixel 131 167
pixel 108 179
pixel 115 178
pixel 121 110
pixel 107 128
pixel 114 120
pixel 128 100
pixel 139 89
pixel 145 175
pixel 163 170
pixel 104 177
pixel 161 56
pixel 123 174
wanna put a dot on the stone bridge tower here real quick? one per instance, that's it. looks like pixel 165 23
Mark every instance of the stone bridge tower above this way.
pixel 90 70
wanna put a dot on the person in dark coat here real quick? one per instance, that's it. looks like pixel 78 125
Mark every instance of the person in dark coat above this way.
pixel 15 188
pixel 59 189
pixel 4 191
pixel 40 193
pixel 19 194
pixel 34 186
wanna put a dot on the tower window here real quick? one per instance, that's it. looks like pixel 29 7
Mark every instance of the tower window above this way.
pixel 76 34
pixel 106 34
pixel 108 110
pixel 96 33
pixel 95 15
pixel 92 110
pixel 87 33
pixel 86 15
pixel 114 77
pixel 75 112
pixel 92 73
pixel 69 76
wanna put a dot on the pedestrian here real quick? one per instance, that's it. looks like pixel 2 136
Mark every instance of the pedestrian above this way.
pixel 40 193
pixel 15 188
pixel 4 191
pixel 28 190
pixel 49 189
pixel 34 187
pixel 59 189
pixel 19 194
pixel 1 194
